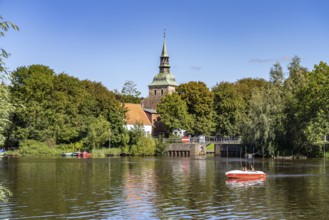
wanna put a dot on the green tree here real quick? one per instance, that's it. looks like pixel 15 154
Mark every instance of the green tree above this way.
pixel 314 107
pixel 59 109
pixel 173 111
pixel 6 106
pixel 199 101
pixel 160 146
pixel 316 131
pixel 246 86
pixel 276 75
pixel 117 118
pixel 229 108
pixel 294 122
pixel 69 98
pixel 129 93
pixel 4 27
pixel 139 142
pixel 32 89
pixel 263 129
pixel 97 133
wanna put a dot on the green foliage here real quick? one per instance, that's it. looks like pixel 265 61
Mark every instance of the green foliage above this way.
pixel 60 109
pixel 229 108
pixel 139 143
pixel 314 114
pixel 199 101
pixel 119 135
pixel 211 147
pixel 263 127
pixel 31 89
pixel 129 93
pixel 160 146
pixel 4 27
pixel 73 147
pixel 145 146
pixel 97 133
pixel 276 75
pixel 246 86
pixel 265 119
pixel 33 148
pixel 103 152
pixel 174 115
pixel 6 106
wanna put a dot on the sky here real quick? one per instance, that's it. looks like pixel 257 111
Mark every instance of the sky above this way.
pixel 114 41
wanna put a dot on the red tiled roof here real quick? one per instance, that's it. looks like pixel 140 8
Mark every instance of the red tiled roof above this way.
pixel 135 114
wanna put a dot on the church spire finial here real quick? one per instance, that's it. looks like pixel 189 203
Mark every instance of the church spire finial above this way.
pixel 164 48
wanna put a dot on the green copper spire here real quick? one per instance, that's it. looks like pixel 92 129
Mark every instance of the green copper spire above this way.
pixel 164 48
pixel 164 78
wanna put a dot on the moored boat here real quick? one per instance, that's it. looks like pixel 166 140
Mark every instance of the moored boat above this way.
pixel 67 154
pixel 77 154
pixel 84 155
pixel 245 174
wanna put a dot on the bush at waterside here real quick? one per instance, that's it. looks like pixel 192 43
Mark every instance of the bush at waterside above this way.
pixel 105 152
pixel 32 148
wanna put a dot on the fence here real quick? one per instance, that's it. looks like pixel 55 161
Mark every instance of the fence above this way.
pixel 205 140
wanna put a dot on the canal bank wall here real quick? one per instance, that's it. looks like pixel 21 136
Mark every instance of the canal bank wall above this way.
pixel 186 149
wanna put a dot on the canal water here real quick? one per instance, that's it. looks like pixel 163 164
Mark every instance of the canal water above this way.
pixel 162 188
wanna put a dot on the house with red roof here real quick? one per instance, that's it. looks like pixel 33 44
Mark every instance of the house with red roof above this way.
pixel 136 116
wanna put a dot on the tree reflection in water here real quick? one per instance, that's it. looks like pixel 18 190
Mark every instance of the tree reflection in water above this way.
pixel 4 193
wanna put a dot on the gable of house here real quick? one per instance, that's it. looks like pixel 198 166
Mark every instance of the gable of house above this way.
pixel 135 115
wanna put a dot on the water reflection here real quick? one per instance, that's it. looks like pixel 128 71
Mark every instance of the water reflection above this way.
pixel 236 183
pixel 161 188
pixel 5 193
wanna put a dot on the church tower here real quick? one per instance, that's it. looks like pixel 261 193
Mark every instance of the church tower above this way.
pixel 163 83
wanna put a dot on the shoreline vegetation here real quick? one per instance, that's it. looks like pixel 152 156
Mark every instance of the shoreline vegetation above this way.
pixel 40 150
pixel 44 113
pixel 146 146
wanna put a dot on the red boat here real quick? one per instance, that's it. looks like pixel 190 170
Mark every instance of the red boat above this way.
pixel 84 155
pixel 245 174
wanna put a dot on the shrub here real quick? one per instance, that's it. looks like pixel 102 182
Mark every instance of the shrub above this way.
pixel 32 148
pixel 160 147
pixel 146 146
pixel 101 153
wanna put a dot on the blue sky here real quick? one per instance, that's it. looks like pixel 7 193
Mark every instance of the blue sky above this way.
pixel 112 41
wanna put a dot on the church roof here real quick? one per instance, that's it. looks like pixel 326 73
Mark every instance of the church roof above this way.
pixel 164 79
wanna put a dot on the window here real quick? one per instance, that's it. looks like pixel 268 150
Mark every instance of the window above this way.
pixel 155 92
pixel 161 91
